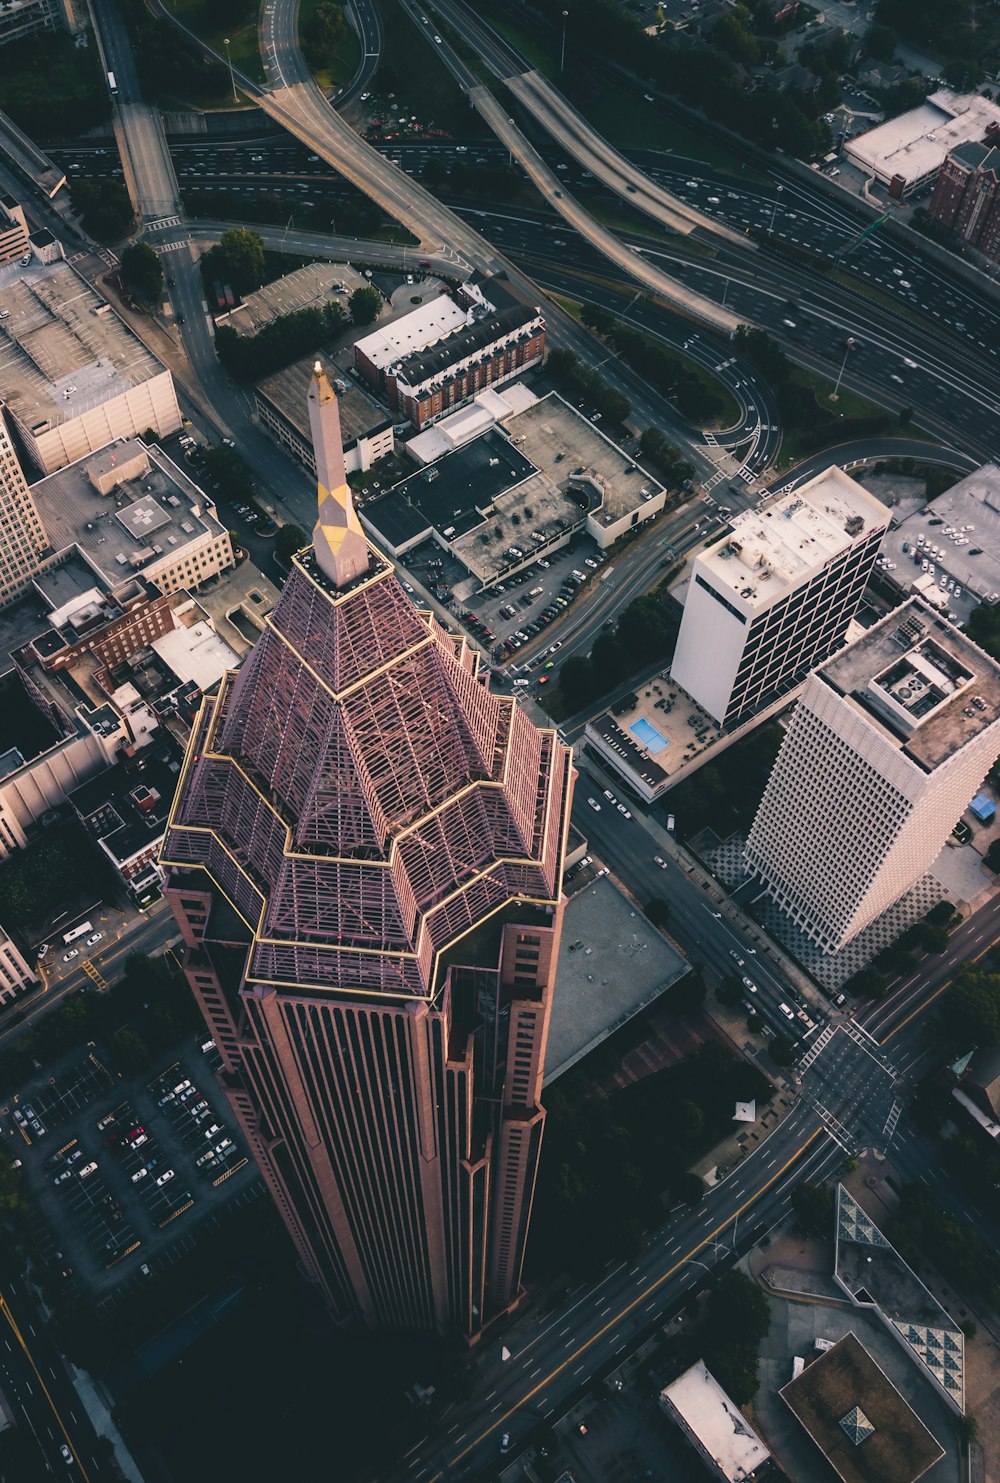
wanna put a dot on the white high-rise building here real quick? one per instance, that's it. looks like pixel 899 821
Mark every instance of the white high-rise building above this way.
pixel 887 745
pixel 775 597
pixel 22 534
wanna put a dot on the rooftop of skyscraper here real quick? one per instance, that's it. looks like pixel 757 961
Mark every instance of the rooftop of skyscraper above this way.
pixel 63 349
pixel 772 550
pixel 918 679
pixel 155 509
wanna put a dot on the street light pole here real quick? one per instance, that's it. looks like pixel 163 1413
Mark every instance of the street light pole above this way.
pixel 774 213
pixel 834 393
pixel 562 55
pixel 232 79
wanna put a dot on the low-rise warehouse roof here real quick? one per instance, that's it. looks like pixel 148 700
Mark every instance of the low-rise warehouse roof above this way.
pixel 63 349
pixel 858 1419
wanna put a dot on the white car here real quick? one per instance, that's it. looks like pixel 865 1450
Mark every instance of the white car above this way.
pixel 167 1174
pixel 87 1170
pixel 94 937
pixel 74 952
pixel 65 1453
pixel 659 860
pixel 786 1012
pixel 594 805
pixel 140 1174
pixel 623 810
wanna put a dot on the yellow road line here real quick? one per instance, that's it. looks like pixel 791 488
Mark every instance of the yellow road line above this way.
pixel 30 1358
pixel 938 992
pixel 613 1322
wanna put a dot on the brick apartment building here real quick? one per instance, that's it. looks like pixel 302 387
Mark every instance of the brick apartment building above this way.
pixel 439 357
pixel 966 198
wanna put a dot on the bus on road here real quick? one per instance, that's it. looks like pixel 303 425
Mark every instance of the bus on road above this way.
pixel 76 932
pixel 112 85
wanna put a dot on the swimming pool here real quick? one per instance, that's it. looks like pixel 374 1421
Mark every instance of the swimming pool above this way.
pixel 648 735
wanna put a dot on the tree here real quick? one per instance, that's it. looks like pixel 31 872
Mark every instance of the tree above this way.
pixel 971 1011
pixel 576 681
pixel 992 856
pixel 688 995
pixel 689 1188
pixel 657 910
pixel 782 1051
pixel 104 207
pixel 228 473
pixel 365 305
pixel 880 42
pixel 813 1206
pixel 131 1052
pixel 290 538
pixel 435 172
pixel 730 991
pixel 141 272
pixel 242 255
pixel 966 1428
pixel 324 34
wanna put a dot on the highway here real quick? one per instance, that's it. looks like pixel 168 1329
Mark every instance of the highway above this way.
pixel 550 111
pixel 142 144
pixel 555 1356
pixel 41 1396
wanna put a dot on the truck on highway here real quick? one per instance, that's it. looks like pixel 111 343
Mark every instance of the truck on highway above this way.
pixel 112 85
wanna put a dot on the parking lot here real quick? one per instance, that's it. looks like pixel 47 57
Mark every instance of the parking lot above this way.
pixel 115 1169
pixel 507 617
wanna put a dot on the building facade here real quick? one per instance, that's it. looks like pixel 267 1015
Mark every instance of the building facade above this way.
pixel 14 241
pixel 21 18
pixel 15 974
pixel 775 598
pixel 433 382
pixel 23 541
pixel 364 858
pixel 887 744
pixel 966 197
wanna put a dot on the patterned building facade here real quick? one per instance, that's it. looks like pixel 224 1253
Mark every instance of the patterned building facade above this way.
pixel 364 857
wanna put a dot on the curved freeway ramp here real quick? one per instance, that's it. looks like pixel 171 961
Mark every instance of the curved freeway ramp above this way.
pixel 579 218
pixel 571 131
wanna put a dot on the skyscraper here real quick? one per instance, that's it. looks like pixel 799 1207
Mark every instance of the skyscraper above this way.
pixel 775 597
pixel 22 534
pixel 364 858
pixel 886 747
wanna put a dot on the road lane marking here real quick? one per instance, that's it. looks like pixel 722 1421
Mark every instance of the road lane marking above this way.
pixel 631 1306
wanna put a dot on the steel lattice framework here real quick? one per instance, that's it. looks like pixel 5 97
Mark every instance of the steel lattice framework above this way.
pixel 354 806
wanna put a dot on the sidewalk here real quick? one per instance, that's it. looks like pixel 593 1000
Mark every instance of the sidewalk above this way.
pixel 715 891
pixel 101 1419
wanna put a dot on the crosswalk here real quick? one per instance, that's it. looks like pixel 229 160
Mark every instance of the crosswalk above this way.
pixel 161 222
pixel 895 1113
pixel 164 247
pixel 817 1048
pixel 711 440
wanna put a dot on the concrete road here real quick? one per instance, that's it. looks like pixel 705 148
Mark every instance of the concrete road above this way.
pixel 37 1388
pixel 154 930
pixel 548 109
pixel 554 1356
pixel 149 170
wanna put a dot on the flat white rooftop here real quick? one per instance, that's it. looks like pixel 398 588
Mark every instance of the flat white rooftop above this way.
pixel 413 332
pixel 717 1422
pixel 773 550
pixel 916 143
pixel 196 653
pixel 63 349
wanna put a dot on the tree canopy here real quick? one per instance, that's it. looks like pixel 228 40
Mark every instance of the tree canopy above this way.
pixel 241 258
pixel 365 305
pixel 104 207
pixel 141 272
